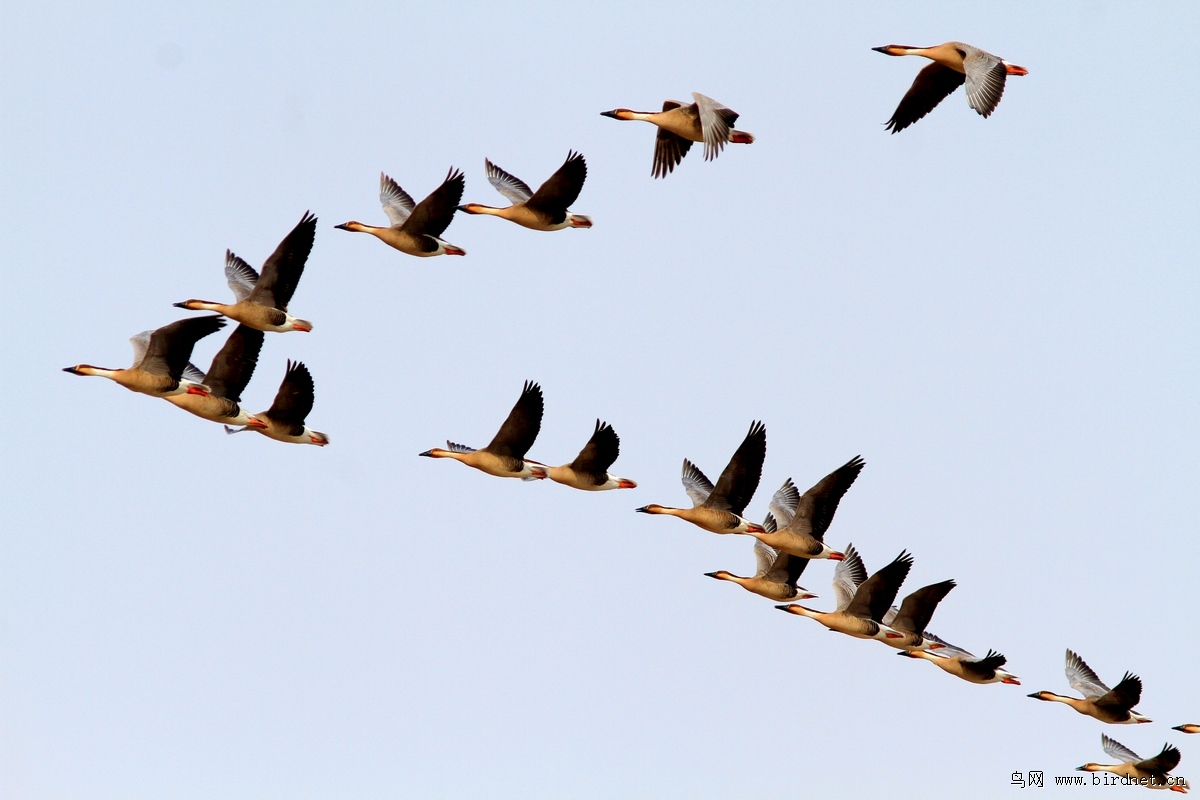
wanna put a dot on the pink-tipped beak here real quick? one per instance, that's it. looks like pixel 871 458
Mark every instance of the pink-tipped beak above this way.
pixel 624 484
pixel 836 556
pixel 198 390
pixel 1013 69
pixel 1013 681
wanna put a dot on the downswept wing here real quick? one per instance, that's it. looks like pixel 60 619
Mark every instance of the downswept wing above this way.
pixel 985 81
pixel 282 270
pixel 234 363
pixel 739 480
pixel 520 430
pixel 716 121
pixel 599 453
pixel 669 148
pixel 933 84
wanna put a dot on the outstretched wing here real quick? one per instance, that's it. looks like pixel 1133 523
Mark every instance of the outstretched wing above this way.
pixel 848 575
pixel 282 270
pixel 240 276
pixel 1118 751
pixel 716 121
pixel 1082 679
pixel 433 214
pixel 985 80
pixel 519 431
pixel 695 483
pixel 396 202
pixel 599 453
pixel 933 84
pixel 740 478
pixel 507 184
pixel 294 400
pixel 561 189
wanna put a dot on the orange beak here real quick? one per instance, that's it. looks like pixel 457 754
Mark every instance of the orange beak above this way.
pixel 302 328
pixel 198 390
pixel 624 484
pixel 1013 69
pixel 893 636
pixel 1013 681
pixel 255 422
pixel 836 556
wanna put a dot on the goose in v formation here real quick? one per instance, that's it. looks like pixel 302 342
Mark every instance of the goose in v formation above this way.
pixel 159 359
pixel 777 574
pixel 262 300
pixel 504 456
pixel 914 614
pixel 226 379
pixel 680 124
pixel 285 420
pixel 954 63
pixel 962 664
pixel 589 470
pixel 1099 702
pixel 804 533
pixel 543 210
pixel 416 228
pixel 719 509
pixel 1153 771
pixel 861 601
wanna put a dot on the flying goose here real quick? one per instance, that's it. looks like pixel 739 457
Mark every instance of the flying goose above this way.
pixel 262 300
pixel 954 63
pixel 1190 728
pixel 962 664
pixel 777 572
pixel 914 614
pixel 159 359
pixel 804 534
pixel 284 420
pixel 1149 772
pixel 226 379
pixel 545 209
pixel 1099 702
pixel 416 227
pixel 504 456
pixel 861 601
pixel 680 124
pixel 719 509
pixel 589 470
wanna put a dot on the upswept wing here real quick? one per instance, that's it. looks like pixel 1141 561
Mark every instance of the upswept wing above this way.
pixel 561 189
pixel 740 478
pixel 519 431
pixel 240 276
pixel 599 453
pixel 433 215
pixel 848 575
pixel 695 483
pixel 294 400
pixel 1082 679
pixel 917 609
pixel 816 508
pixel 396 202
pixel 282 270
pixel 1118 751
pixel 507 184
pixel 876 594
pixel 783 502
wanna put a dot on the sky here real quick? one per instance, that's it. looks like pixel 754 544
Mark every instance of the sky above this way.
pixel 999 315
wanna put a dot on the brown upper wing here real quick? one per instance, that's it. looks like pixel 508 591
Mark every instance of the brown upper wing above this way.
pixel 817 506
pixel 519 431
pixel 281 271
pixel 170 347
pixel 933 85
pixel 294 400
pixel 917 609
pixel 875 595
pixel 562 188
pixel 433 214
pixel 599 453
pixel 739 481
pixel 234 363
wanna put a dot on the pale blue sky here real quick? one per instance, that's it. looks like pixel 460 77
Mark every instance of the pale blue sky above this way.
pixel 999 315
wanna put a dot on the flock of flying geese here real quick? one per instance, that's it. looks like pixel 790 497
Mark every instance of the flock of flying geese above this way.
pixel 793 532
